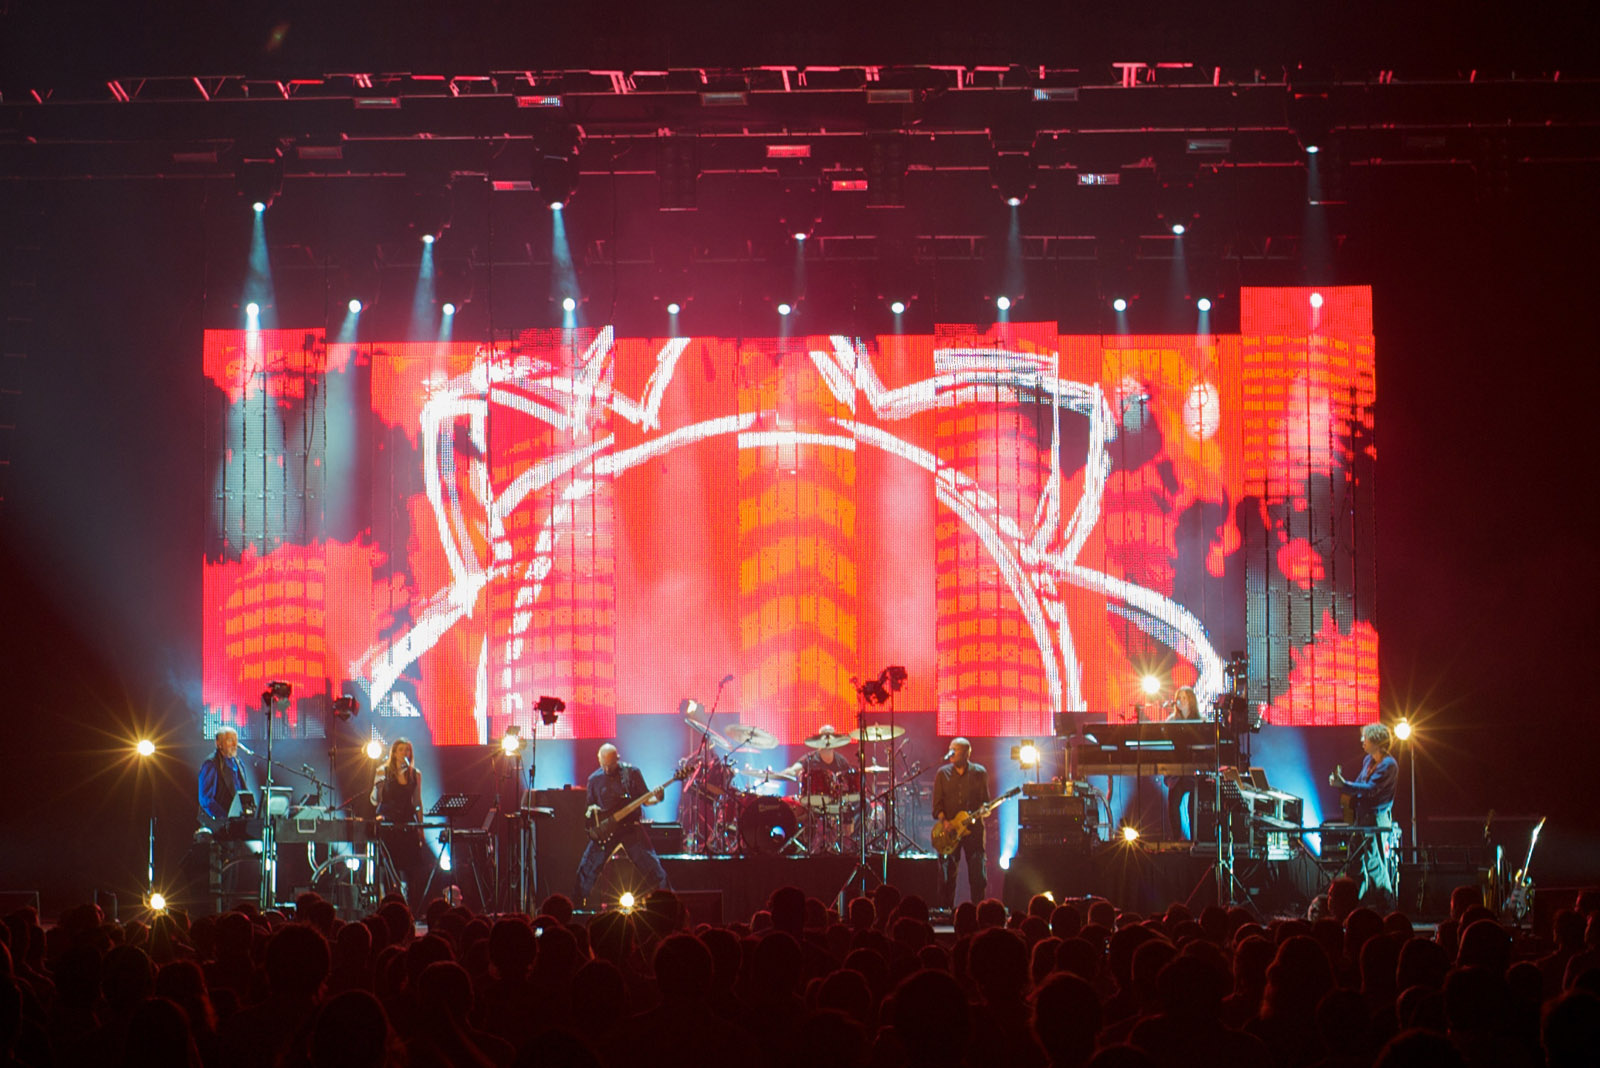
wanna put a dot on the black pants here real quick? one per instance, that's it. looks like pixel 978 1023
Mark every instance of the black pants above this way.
pixel 977 870
pixel 413 862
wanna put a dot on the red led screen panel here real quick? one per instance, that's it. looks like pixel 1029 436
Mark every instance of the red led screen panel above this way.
pixel 1028 522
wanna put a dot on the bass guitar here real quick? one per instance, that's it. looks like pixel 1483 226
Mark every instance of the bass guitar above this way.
pixel 606 826
pixel 946 839
pixel 1521 899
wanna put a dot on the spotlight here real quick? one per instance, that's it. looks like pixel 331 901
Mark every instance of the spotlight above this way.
pixel 1312 150
pixel 374 750
pixel 352 864
pixel 445 863
pixel 449 309
pixel 898 307
pixel 568 304
pixel 511 742
pixel 555 165
pixel 158 902
pixel 1178 229
pixel 354 306
pixel 1150 684
pixel 556 205
pixel 1402 730
pixel 625 902
pixel 1119 305
pixel 427 239
pixel 258 207
pixel 784 309
pixel 145 747
pixel 1204 304
pixel 1130 833
pixel 1026 755
pixel 1003 303
pixel 1005 862
pixel 1316 300
pixel 252 309
pixel 799 235
pixel 346 707
pixel 673 308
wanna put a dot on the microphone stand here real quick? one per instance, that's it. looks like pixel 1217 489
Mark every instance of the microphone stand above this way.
pixel 862 872
pixel 269 843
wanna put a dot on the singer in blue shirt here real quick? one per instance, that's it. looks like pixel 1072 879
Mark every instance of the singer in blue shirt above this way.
pixel 221 777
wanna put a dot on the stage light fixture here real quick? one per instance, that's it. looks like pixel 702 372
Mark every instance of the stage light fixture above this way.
pixel 346 707
pixel 625 902
pixel 1178 229
pixel 1312 150
pixel 352 864
pixel 1316 300
pixel 449 308
pixel 673 308
pixel 1119 305
pixel 253 310
pixel 556 205
pixel 258 175
pixel 258 207
pixel 1012 175
pixel 785 308
pixel 1026 755
pixel 354 306
pixel 1005 861
pixel 1204 304
pixel 374 749
pixel 898 307
pixel 511 741
pixel 158 902
pixel 1130 833
pixel 550 709
pixel 145 747
pixel 1150 684
pixel 800 235
pixel 427 239
pixel 555 164
pixel 445 863
pixel 568 304
pixel 1402 730
pixel 1003 303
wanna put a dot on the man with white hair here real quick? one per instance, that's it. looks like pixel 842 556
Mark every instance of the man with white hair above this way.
pixel 221 777
pixel 612 786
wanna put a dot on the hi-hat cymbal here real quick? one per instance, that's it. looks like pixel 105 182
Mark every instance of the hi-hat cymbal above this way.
pixel 829 740
pixel 877 732
pixel 754 737
pixel 716 739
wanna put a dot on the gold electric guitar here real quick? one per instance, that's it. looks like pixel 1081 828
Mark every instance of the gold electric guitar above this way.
pixel 946 840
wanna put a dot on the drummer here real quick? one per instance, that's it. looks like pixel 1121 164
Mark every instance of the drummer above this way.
pixel 826 755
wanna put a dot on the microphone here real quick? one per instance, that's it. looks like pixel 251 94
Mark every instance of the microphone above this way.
pixel 309 770
pixel 246 749
pixel 409 765
pixel 725 680
pixel 949 756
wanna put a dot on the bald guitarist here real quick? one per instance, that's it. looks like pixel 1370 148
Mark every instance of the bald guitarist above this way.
pixel 961 786
pixel 613 788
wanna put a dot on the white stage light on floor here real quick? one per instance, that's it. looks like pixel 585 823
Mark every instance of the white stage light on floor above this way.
pixel 1130 833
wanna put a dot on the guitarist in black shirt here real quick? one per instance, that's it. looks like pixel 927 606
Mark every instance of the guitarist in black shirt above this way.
pixel 961 786
pixel 614 786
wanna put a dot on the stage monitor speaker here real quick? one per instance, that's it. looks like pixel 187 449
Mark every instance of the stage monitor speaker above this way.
pixel 1425 888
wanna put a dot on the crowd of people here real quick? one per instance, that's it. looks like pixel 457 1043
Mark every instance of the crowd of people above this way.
pixel 1055 986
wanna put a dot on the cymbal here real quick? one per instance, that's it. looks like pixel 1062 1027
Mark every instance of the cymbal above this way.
pixel 877 732
pixel 743 734
pixel 765 774
pixel 716 739
pixel 827 741
pixel 875 769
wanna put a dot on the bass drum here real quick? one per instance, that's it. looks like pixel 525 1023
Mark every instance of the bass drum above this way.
pixel 768 825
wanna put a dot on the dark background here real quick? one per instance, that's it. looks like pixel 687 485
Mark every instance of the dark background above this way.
pixel 1487 374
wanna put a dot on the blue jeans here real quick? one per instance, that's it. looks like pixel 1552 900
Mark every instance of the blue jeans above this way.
pixel 633 838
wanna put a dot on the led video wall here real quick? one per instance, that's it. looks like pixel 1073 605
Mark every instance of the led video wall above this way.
pixel 1028 522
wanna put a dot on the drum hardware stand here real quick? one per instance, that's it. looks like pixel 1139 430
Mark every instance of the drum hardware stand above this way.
pixel 862 874
pixel 705 752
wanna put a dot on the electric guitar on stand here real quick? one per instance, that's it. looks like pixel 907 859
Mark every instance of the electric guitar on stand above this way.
pixel 606 826
pixel 1520 900
pixel 946 840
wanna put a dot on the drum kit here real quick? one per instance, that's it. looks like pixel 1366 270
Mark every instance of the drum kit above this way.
pixel 731 808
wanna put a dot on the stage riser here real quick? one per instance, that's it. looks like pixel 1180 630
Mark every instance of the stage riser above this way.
pixel 745 884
